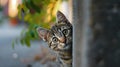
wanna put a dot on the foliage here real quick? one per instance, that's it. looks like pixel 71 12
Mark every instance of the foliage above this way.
pixel 0 8
pixel 36 13
pixel 0 16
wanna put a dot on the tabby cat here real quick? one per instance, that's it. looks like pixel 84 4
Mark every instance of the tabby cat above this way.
pixel 59 39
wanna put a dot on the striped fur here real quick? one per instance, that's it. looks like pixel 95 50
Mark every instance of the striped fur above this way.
pixel 59 39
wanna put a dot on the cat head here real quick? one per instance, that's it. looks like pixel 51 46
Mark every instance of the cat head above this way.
pixel 59 37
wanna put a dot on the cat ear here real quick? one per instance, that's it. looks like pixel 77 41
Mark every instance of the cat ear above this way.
pixel 42 33
pixel 60 17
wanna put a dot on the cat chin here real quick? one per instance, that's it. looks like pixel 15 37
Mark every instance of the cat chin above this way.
pixel 63 49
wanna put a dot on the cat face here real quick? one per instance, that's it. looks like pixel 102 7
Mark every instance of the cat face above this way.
pixel 59 37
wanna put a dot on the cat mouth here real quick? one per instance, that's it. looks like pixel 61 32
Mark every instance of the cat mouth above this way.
pixel 65 48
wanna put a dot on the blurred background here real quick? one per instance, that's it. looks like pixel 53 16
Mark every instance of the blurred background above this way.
pixel 96 32
pixel 20 46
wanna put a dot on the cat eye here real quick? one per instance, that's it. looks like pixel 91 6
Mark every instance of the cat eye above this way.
pixel 65 32
pixel 54 39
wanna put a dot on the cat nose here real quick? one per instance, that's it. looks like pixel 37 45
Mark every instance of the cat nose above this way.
pixel 62 39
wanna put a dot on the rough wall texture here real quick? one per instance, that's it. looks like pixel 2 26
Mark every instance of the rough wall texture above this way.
pixel 105 25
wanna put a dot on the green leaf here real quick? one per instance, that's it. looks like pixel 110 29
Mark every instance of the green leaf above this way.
pixel 31 5
pixel 22 41
pixel 27 42
pixel 13 44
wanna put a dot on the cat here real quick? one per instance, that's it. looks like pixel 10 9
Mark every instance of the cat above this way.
pixel 59 39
